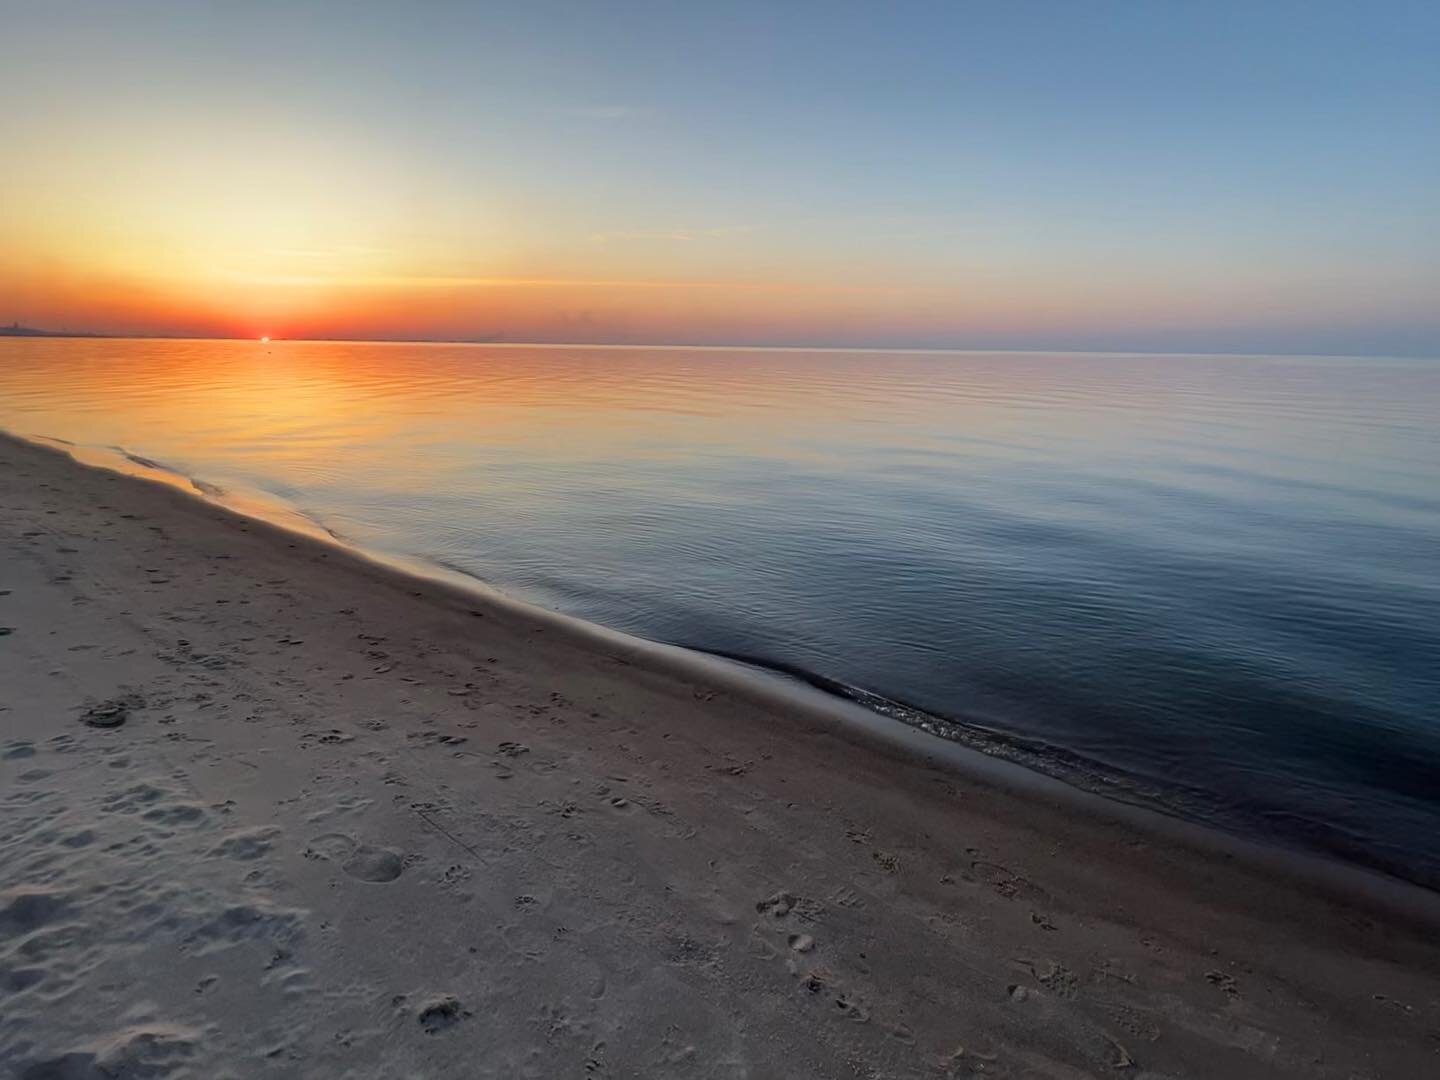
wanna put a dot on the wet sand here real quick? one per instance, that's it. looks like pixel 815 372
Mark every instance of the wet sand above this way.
pixel 269 809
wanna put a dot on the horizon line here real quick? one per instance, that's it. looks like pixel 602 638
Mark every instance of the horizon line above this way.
pixel 477 341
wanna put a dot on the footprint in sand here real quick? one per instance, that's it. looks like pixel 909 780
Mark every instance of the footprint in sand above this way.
pixel 1224 983
pixel 26 908
pixel 370 863
pixel 440 1011
pixel 781 904
pixel 1053 976
pixel 1062 1033
pixel 148 1050
pixel 777 906
pixel 113 712
pixel 333 737
pixel 801 942
pixel 1007 883
pixel 245 845
pixel 176 813
pixel 362 861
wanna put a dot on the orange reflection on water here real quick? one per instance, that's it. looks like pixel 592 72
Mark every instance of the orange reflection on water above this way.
pixel 408 413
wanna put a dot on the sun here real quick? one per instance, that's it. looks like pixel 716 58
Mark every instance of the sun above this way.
pixel 264 341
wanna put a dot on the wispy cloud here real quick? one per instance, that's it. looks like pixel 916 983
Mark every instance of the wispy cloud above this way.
pixel 609 113
pixel 421 281
pixel 683 236
pixel 326 253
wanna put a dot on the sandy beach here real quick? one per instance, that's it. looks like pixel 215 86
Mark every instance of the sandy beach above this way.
pixel 270 809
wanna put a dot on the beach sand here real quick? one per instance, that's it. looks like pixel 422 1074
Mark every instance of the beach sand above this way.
pixel 270 809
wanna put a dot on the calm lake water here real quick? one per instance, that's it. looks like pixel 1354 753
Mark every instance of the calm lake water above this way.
pixel 1212 582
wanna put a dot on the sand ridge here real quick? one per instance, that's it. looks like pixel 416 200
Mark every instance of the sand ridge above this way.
pixel 266 812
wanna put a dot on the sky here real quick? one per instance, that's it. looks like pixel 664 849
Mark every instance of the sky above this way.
pixel 1146 175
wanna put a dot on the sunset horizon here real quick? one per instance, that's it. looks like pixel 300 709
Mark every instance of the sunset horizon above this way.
pixel 1255 184
pixel 730 540
pixel 499 340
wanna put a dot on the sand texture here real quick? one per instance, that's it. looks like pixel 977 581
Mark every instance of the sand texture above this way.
pixel 269 810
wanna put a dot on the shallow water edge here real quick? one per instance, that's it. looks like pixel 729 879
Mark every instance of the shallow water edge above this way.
pixel 840 711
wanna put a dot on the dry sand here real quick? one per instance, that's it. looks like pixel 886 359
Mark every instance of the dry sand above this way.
pixel 352 824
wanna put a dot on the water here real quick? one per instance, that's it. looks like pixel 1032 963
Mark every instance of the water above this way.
pixel 1211 582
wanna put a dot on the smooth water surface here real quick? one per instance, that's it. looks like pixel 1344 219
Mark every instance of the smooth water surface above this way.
pixel 1212 581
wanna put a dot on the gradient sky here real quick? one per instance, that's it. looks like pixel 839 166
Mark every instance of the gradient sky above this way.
pixel 1256 176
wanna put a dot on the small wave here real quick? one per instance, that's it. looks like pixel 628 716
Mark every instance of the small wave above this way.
pixel 262 506
pixel 1297 832
pixel 1035 754
pixel 204 487
pixel 143 462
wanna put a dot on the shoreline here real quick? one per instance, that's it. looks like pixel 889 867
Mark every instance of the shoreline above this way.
pixel 770 685
pixel 751 858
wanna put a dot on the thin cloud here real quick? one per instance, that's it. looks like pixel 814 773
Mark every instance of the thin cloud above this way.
pixel 326 253
pixel 607 237
pixel 448 282
pixel 610 113
pixel 684 236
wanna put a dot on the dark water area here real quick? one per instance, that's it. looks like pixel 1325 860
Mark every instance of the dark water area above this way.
pixel 1210 583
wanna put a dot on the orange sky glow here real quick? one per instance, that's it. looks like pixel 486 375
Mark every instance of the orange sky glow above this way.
pixel 197 170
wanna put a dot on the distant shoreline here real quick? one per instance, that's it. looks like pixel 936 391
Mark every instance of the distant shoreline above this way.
pixel 26 332
pixel 16 330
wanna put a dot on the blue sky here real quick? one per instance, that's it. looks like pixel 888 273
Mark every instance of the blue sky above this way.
pixel 1103 175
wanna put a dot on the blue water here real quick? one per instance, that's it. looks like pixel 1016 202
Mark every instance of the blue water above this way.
pixel 1212 583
